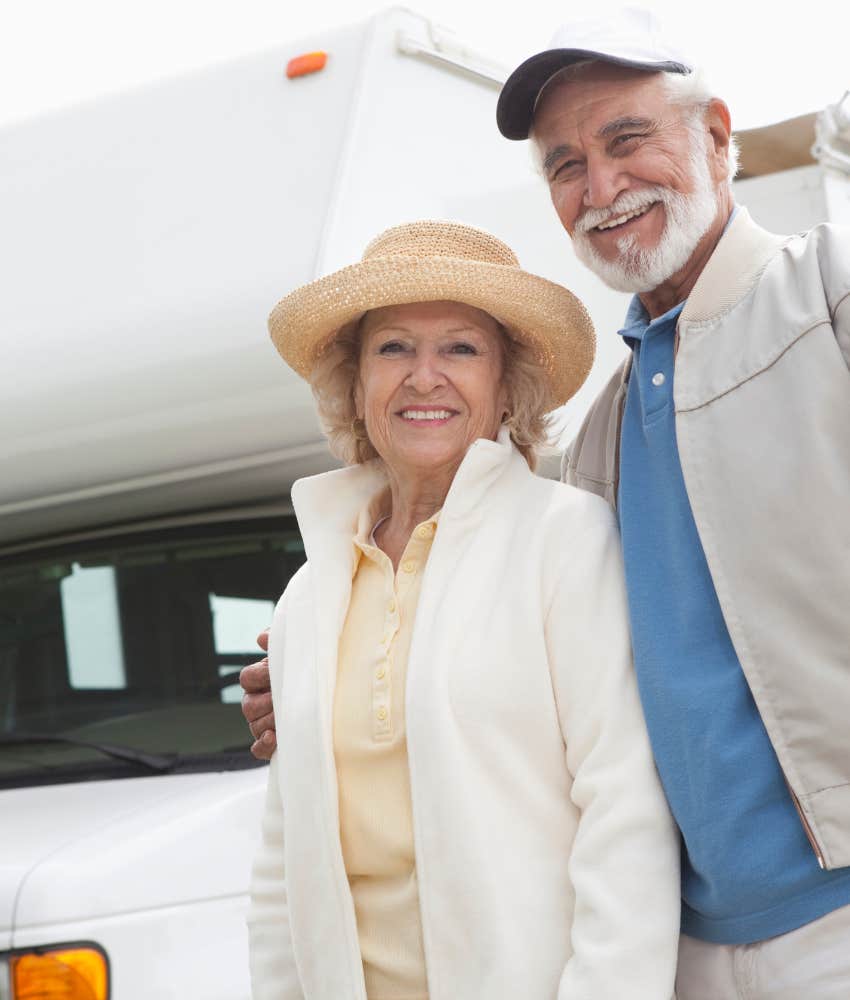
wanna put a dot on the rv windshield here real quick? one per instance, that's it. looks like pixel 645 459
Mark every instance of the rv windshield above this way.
pixel 135 642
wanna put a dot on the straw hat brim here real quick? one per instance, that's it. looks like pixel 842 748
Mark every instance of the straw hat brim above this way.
pixel 538 312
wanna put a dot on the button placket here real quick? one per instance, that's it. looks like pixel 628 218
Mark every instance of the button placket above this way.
pixel 381 680
pixel 656 371
pixel 424 531
pixel 381 700
pixel 396 586
pixel 408 564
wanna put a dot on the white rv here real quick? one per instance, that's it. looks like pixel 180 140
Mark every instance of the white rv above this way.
pixel 149 435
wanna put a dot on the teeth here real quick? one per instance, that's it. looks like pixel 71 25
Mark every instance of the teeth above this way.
pixel 426 414
pixel 623 218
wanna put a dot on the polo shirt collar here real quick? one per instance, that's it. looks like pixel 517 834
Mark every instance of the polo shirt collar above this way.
pixel 638 323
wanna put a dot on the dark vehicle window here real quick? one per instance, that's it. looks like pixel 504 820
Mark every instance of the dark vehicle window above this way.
pixel 137 640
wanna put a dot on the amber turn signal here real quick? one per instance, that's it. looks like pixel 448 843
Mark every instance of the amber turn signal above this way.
pixel 60 974
pixel 310 62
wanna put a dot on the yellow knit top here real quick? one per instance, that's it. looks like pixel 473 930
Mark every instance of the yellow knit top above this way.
pixel 370 749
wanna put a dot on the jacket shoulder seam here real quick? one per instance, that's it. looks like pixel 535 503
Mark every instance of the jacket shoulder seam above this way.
pixel 827 788
pixel 839 304
pixel 749 378
pixel 589 478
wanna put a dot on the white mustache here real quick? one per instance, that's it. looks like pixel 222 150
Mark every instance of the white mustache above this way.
pixel 629 201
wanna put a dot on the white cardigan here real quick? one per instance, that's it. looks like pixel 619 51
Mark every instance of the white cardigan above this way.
pixel 546 859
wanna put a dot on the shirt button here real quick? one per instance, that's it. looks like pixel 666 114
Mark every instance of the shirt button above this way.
pixel 658 379
pixel 382 713
pixel 424 531
pixel 391 607
pixel 408 566
pixel 380 673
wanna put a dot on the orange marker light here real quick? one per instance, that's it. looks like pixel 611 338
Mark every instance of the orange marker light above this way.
pixel 63 974
pixel 310 62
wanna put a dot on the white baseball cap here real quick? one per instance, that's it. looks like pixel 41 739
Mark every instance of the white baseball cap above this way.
pixel 630 37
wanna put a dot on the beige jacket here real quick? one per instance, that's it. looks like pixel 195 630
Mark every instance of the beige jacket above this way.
pixel 762 397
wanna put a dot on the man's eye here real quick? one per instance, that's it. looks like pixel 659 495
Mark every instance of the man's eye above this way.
pixel 566 169
pixel 626 138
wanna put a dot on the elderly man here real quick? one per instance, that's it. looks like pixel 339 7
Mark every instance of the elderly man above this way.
pixel 724 444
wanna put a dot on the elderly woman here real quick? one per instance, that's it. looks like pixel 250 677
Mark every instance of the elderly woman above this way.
pixel 463 803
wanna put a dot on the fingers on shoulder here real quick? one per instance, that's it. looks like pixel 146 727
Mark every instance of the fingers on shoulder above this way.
pixel 255 677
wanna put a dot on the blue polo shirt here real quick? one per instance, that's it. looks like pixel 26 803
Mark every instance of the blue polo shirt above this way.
pixel 749 872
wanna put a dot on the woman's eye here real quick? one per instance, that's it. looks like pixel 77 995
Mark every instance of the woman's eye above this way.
pixel 391 347
pixel 463 348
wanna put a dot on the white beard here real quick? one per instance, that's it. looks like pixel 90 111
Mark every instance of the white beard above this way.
pixel 688 218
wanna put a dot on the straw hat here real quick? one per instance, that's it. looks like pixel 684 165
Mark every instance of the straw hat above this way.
pixel 434 261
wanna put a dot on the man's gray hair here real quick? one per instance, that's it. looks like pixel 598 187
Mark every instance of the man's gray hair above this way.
pixel 692 92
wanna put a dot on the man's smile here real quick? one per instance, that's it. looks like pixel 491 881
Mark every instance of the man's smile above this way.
pixel 621 220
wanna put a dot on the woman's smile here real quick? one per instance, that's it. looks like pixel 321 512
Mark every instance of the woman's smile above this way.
pixel 425 416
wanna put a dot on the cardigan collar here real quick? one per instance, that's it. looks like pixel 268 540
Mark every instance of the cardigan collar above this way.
pixel 327 505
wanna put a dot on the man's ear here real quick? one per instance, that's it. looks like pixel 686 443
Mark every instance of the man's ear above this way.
pixel 719 124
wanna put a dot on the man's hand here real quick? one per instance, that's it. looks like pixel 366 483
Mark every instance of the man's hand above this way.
pixel 257 703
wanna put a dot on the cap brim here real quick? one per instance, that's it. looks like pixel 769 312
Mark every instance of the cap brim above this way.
pixel 538 312
pixel 515 108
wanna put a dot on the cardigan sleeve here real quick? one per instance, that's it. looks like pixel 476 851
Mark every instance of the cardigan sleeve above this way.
pixel 624 863
pixel 273 972
pixel 274 975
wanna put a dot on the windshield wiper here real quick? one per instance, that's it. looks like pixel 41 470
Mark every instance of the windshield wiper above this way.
pixel 154 762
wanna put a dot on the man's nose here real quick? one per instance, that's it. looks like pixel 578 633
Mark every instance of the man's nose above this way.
pixel 605 181
pixel 426 373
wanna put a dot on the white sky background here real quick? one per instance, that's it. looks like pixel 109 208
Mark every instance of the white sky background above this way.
pixel 768 60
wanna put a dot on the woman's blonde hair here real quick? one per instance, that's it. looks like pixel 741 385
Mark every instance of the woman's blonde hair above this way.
pixel 334 377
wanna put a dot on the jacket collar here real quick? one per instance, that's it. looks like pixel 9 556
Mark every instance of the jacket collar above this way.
pixel 741 255
pixel 743 252
pixel 327 505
